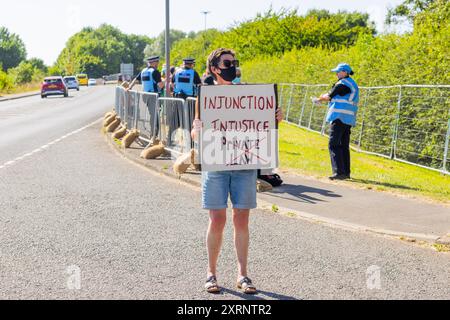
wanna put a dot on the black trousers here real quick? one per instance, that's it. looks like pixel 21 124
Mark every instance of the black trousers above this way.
pixel 339 147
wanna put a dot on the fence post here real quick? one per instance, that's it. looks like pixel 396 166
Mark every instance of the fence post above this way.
pixel 397 122
pixel 116 106
pixel 363 119
pixel 447 138
pixel 136 109
pixel 303 107
pixel 311 116
pixel 126 105
pixel 290 102
pixel 280 98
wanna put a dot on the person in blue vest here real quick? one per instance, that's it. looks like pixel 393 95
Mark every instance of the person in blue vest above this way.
pixel 151 80
pixel 150 77
pixel 343 106
pixel 186 80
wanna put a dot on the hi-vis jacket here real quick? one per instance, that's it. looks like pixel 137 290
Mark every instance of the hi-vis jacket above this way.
pixel 345 107
pixel 184 82
pixel 147 80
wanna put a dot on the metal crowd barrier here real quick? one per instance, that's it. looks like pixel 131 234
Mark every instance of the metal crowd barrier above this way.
pixel 147 121
pixel 167 119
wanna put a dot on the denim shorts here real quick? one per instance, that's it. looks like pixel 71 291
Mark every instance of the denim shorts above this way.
pixel 239 185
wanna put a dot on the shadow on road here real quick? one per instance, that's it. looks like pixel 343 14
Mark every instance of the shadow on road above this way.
pixel 384 184
pixel 297 193
pixel 261 295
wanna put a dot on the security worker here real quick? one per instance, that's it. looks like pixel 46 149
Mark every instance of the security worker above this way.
pixel 150 77
pixel 186 80
pixel 151 81
pixel 343 105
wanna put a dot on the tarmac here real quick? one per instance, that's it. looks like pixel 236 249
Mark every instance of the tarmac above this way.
pixel 331 203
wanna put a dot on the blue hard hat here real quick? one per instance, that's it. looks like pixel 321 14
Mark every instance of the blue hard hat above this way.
pixel 343 67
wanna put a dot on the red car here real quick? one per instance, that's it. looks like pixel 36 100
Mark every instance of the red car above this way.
pixel 54 86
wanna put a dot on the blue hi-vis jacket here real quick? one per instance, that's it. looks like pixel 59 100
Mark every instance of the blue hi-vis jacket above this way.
pixel 345 107
pixel 147 80
pixel 184 82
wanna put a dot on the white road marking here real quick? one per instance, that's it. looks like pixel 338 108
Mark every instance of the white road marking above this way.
pixel 46 146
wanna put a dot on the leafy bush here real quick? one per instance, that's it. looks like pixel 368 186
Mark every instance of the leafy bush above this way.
pixel 23 73
pixel 6 83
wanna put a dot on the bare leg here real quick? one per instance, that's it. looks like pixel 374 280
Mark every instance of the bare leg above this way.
pixel 241 238
pixel 217 220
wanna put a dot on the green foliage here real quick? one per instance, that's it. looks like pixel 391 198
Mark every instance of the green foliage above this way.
pixel 12 49
pixel 100 51
pixel 6 83
pixel 196 47
pixel 276 33
pixel 23 73
pixel 38 64
pixel 158 47
pixel 417 58
pixel 408 10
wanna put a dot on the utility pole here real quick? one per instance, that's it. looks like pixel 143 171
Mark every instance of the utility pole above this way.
pixel 204 34
pixel 167 48
pixel 206 13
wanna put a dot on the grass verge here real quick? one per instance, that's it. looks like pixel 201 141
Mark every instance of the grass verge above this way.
pixel 306 153
pixel 29 87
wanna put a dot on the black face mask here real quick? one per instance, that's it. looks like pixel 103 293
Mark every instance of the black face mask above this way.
pixel 228 74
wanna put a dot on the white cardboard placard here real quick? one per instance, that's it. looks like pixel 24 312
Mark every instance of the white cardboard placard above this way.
pixel 239 127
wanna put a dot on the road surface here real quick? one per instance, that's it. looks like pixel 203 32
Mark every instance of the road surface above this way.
pixel 78 221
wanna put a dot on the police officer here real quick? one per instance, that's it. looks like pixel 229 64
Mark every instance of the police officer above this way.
pixel 343 105
pixel 151 80
pixel 150 77
pixel 186 80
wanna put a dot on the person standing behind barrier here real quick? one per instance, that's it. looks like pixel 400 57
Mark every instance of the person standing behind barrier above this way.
pixel 343 106
pixel 218 186
pixel 186 80
pixel 150 77
pixel 151 80
pixel 237 80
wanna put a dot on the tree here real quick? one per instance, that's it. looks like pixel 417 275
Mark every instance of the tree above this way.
pixel 23 73
pixel 408 10
pixel 38 64
pixel 100 51
pixel 12 49
pixel 158 47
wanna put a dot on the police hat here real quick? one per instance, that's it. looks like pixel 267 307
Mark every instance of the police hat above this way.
pixel 152 59
pixel 189 60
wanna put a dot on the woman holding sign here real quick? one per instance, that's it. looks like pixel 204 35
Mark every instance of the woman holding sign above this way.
pixel 218 186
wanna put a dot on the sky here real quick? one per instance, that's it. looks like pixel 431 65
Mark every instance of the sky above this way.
pixel 45 26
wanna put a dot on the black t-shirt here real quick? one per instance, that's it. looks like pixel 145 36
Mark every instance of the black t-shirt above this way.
pixel 156 75
pixel 208 80
pixel 339 90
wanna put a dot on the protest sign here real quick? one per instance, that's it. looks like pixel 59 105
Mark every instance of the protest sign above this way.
pixel 239 127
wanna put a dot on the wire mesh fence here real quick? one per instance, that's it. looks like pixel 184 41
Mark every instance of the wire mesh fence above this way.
pixel 408 123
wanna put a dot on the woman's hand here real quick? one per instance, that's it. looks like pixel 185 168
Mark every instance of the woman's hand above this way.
pixel 196 127
pixel 279 115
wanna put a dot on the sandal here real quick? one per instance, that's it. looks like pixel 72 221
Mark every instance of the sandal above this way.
pixel 211 285
pixel 246 285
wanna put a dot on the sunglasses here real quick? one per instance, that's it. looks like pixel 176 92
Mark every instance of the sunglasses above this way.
pixel 229 63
